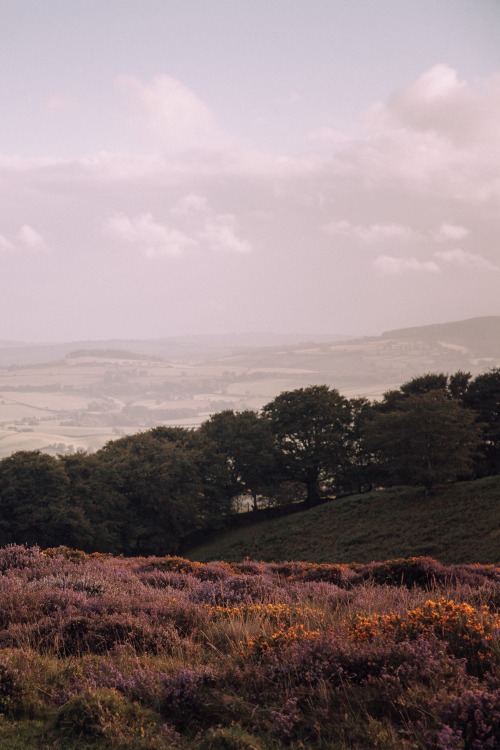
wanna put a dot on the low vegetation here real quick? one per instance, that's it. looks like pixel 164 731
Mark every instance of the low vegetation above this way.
pixel 157 653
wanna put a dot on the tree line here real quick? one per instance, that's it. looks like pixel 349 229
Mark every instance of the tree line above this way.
pixel 146 493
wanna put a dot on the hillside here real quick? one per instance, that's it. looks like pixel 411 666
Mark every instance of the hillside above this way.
pixel 461 523
pixel 480 337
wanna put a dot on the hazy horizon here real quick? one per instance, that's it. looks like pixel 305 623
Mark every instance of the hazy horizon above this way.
pixel 180 169
pixel 280 336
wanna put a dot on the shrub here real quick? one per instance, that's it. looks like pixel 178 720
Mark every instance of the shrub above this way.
pixel 93 714
pixel 11 692
pixel 423 572
pixel 186 696
pixel 468 631
pixel 18 556
pixel 229 738
pixel 469 721
pixel 79 634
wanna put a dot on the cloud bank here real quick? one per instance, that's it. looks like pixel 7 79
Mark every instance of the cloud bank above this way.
pixel 414 194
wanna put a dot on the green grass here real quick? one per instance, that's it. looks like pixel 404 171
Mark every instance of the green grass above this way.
pixel 459 524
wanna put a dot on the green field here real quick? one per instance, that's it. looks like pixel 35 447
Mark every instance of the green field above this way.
pixel 460 523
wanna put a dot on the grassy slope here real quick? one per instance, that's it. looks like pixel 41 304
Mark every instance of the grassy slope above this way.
pixel 461 523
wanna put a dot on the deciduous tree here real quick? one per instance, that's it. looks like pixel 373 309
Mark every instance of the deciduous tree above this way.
pixel 425 439
pixel 310 426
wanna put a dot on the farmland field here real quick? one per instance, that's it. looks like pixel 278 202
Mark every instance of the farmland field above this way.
pixel 83 402
pixel 61 398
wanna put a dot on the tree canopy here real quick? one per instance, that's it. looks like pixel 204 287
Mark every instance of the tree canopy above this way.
pixel 424 440
pixel 309 425
pixel 150 492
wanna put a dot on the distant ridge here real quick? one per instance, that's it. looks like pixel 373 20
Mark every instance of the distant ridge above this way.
pixel 471 343
pixel 481 336
pixel 469 325
pixel 180 348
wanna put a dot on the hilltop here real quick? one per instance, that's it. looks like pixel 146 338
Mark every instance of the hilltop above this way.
pixel 459 524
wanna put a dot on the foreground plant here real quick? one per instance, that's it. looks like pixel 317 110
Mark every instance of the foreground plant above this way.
pixel 161 653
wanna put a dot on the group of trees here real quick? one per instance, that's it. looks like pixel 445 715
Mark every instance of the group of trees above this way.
pixel 146 493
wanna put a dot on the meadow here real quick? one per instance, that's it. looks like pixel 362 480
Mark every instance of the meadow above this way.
pixel 160 652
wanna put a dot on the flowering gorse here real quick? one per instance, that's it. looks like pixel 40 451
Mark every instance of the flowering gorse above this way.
pixel 469 631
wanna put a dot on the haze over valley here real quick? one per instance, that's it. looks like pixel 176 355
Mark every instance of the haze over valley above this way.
pixel 77 396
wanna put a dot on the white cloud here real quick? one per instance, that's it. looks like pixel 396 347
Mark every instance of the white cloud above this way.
pixel 436 101
pixel 438 135
pixel 370 233
pixel 215 231
pixel 406 188
pixel 197 226
pixel 219 233
pixel 466 259
pixel 391 266
pixel 448 232
pixel 5 244
pixel 153 238
pixel 329 136
pixel 177 117
pixel 190 204
pixel 31 239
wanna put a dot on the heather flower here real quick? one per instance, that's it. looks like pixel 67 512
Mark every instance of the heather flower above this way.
pixel 184 695
pixel 284 722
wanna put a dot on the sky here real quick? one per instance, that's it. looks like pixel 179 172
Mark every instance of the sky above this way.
pixel 177 167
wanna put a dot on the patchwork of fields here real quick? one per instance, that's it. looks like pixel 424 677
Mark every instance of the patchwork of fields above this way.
pixel 59 400
pixel 82 402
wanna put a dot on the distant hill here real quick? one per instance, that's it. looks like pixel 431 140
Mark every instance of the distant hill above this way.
pixel 460 524
pixel 120 354
pixel 369 366
pixel 473 343
pixel 181 348
pixel 479 336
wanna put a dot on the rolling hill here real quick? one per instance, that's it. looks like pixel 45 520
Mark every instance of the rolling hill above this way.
pixel 460 524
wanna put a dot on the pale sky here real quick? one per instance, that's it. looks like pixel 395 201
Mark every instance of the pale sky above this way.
pixel 172 167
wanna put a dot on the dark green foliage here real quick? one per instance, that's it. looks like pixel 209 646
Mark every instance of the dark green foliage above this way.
pixel 359 471
pixel 310 427
pixel 424 384
pixel 35 503
pixel 154 477
pixel 244 441
pixel 424 440
pixel 483 396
